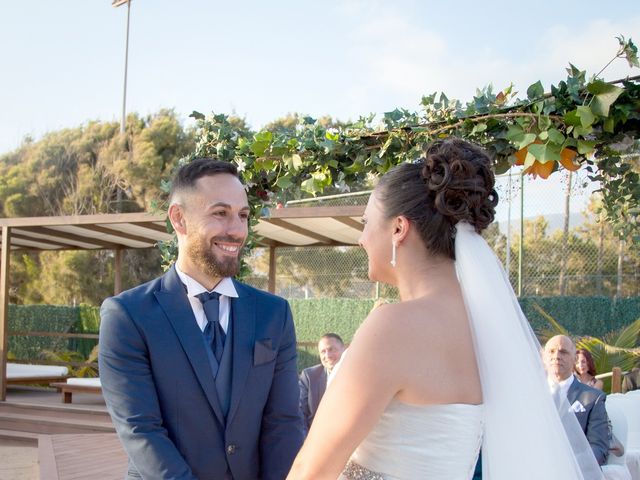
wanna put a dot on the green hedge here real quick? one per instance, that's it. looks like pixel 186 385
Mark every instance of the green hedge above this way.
pixel 315 317
pixel 39 318
pixel 580 315
pixel 592 316
pixel 88 322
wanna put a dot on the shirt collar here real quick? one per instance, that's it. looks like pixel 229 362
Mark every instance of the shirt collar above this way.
pixel 224 287
pixel 563 384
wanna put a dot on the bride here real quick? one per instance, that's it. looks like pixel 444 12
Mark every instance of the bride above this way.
pixel 453 366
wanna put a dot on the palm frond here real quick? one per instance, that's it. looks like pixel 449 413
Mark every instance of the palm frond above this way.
pixel 606 356
pixel 557 329
pixel 628 336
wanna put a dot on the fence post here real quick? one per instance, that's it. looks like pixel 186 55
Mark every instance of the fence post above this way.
pixel 521 243
pixel 271 286
pixel 616 380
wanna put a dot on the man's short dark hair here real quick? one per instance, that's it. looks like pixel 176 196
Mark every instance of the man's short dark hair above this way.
pixel 187 175
pixel 332 335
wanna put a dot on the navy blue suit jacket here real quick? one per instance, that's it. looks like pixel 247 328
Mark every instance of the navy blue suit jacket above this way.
pixel 160 390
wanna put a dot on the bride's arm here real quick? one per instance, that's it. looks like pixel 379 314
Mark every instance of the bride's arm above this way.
pixel 369 378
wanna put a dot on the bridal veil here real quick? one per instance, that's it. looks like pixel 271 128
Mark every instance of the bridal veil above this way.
pixel 526 436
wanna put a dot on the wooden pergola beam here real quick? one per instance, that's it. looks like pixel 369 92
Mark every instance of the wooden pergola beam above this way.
pixel 4 309
pixel 302 231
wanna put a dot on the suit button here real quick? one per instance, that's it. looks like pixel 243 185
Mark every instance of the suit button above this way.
pixel 231 449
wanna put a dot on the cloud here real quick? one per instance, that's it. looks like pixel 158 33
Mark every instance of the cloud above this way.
pixel 589 48
pixel 401 58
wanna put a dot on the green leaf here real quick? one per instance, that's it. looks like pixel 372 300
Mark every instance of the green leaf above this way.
pixel 517 136
pixel 261 143
pixel 292 162
pixel 263 137
pixel 334 137
pixel 545 152
pixel 556 136
pixel 572 118
pixel 608 125
pixel 265 164
pixel 535 91
pixel 629 51
pixel 604 94
pixel 309 185
pixel 297 161
pixel 586 116
pixel 284 181
pixel 386 145
pixel 528 159
pixel 544 122
pixel 585 146
pixel 197 115
pixel 479 128
pixel 502 165
pixel 582 131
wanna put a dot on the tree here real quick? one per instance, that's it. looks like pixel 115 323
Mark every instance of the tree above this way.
pixel 81 171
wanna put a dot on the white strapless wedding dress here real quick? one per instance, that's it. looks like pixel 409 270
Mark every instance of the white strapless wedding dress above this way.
pixel 411 442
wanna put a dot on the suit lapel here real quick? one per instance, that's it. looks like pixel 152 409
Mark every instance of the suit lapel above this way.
pixel 573 392
pixel 173 300
pixel 243 312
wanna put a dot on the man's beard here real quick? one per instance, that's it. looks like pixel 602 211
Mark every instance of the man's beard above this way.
pixel 199 251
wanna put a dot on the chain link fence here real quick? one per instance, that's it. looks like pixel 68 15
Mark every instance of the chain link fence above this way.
pixel 565 249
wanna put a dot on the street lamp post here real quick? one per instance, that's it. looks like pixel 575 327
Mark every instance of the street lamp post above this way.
pixel 117 3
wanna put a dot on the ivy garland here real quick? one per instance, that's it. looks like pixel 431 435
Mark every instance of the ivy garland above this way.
pixel 580 123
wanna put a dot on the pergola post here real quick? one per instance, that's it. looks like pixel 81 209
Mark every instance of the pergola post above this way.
pixel 117 281
pixel 272 270
pixel 4 309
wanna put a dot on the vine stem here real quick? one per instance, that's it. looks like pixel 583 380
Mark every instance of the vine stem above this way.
pixel 474 119
pixel 488 117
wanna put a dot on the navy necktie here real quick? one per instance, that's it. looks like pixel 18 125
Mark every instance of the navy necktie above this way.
pixel 213 331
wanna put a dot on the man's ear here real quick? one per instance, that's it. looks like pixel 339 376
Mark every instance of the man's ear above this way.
pixel 177 218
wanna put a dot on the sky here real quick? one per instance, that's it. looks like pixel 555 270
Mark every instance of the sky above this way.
pixel 63 61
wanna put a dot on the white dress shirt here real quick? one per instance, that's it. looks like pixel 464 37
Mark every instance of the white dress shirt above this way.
pixel 225 288
pixel 562 386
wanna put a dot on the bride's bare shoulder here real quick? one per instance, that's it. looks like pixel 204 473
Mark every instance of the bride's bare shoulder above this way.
pixel 390 321
pixel 414 320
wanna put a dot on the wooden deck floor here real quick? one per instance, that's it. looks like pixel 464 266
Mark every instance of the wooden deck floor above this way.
pixel 81 456
pixel 64 456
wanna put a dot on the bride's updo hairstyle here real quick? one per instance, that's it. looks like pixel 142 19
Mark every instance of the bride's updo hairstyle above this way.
pixel 452 183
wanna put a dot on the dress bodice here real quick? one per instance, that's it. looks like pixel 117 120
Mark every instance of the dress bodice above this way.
pixel 423 442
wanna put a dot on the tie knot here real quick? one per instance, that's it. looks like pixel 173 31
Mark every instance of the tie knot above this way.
pixel 204 297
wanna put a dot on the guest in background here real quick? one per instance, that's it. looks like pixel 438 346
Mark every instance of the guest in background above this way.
pixel 587 403
pixel 586 370
pixel 313 380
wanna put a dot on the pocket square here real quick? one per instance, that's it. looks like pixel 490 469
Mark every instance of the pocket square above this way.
pixel 263 352
pixel 577 407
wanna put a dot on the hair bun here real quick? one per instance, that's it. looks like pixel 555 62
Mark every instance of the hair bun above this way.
pixel 453 182
pixel 459 180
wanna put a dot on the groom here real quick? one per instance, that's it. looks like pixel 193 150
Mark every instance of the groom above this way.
pixel 198 370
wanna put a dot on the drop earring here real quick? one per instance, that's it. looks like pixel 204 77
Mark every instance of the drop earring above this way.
pixel 393 255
